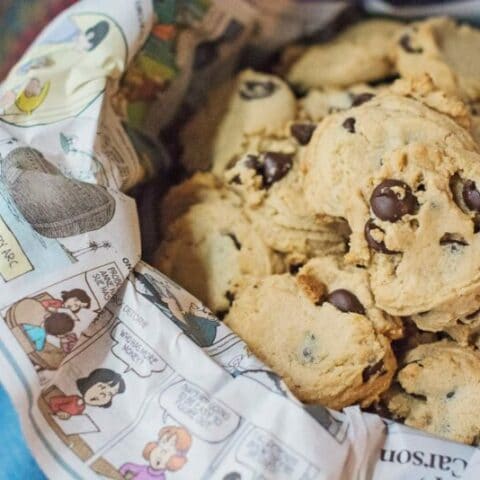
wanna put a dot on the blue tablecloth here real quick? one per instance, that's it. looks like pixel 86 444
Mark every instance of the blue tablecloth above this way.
pixel 16 461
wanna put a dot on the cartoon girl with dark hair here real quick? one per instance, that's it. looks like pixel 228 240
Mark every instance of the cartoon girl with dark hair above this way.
pixel 169 452
pixel 96 390
pixel 73 300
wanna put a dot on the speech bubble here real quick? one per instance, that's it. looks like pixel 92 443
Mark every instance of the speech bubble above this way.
pixel 13 261
pixel 104 281
pixel 134 352
pixel 272 459
pixel 205 417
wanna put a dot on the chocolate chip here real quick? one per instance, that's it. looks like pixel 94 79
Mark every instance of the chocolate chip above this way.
pixel 372 370
pixel 377 245
pixel 476 224
pixel 294 268
pixel 450 394
pixel 251 161
pixel 221 314
pixel 452 238
pixel 392 199
pixel 302 132
pixel 232 162
pixel 299 90
pixel 230 297
pixel 236 180
pixel 414 224
pixel 472 315
pixel 349 124
pixel 254 89
pixel 308 354
pixel 384 81
pixel 275 166
pixel 345 301
pixel 235 241
pixel 417 396
pixel 406 45
pixel 361 98
pixel 471 196
pixel 420 188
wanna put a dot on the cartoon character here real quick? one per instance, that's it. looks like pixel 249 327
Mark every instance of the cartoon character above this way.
pixel 69 33
pixel 71 303
pixel 32 96
pixel 66 57
pixel 158 292
pixel 169 452
pixel 57 324
pixel 197 323
pixel 201 325
pixel 96 390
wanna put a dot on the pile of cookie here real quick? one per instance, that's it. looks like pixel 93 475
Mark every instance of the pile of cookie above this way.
pixel 332 220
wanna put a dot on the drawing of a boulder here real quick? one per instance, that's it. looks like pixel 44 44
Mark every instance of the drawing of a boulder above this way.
pixel 55 206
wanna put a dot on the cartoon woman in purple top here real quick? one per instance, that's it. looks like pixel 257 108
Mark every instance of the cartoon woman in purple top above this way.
pixel 168 453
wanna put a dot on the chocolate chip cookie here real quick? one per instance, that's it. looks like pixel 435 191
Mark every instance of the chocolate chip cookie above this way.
pixel 421 231
pixel 318 331
pixel 438 390
pixel 268 179
pixel 201 187
pixel 212 250
pixel 362 53
pixel 257 103
pixel 447 51
pixel 348 147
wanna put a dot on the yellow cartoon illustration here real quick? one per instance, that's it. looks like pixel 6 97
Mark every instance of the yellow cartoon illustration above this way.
pixel 32 96
pixel 64 71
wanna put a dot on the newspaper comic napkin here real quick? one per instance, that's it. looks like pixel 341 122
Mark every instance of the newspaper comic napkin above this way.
pixel 116 371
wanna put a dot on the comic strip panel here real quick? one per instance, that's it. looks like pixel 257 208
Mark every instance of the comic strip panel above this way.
pixel 180 429
pixel 49 324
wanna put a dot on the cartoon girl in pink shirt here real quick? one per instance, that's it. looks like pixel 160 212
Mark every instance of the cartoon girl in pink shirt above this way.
pixel 168 453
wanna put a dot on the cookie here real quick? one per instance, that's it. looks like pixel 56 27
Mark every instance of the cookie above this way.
pixel 269 180
pixel 439 387
pixel 316 331
pixel 201 187
pixel 420 227
pixel 445 50
pixel 362 53
pixel 259 103
pixel 211 250
pixel 349 146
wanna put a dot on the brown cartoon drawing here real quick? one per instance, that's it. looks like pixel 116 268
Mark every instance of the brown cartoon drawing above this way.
pixel 55 206
pixel 44 335
pixel 44 325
